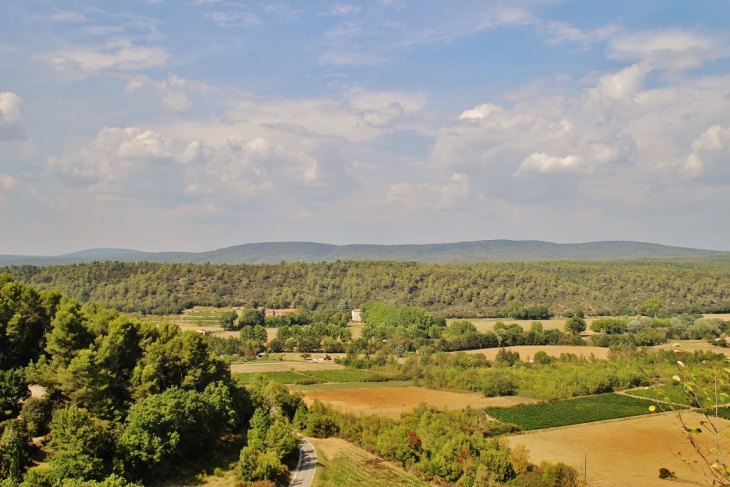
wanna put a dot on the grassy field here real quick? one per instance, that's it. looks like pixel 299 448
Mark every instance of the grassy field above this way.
pixel 619 453
pixel 342 464
pixel 527 352
pixel 392 402
pixel 572 411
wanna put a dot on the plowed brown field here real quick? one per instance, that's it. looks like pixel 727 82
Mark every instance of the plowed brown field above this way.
pixel 392 402
pixel 620 453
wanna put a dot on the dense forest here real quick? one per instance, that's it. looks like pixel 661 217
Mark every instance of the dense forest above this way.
pixel 453 290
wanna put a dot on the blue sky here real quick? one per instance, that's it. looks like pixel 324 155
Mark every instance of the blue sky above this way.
pixel 196 125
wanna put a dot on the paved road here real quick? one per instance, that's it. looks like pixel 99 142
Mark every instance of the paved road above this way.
pixel 304 474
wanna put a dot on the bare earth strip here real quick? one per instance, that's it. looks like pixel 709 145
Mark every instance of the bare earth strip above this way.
pixel 259 367
pixel 620 453
pixel 392 402
pixel 552 350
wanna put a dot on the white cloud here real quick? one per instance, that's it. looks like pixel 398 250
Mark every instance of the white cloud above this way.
pixel 710 155
pixel 63 16
pixel 120 55
pixel 10 108
pixel 622 85
pixel 546 163
pixel 665 49
pixel 338 9
pixel 558 32
pixel 234 19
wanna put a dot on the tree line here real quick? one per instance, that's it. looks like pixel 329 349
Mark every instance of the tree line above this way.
pixel 453 290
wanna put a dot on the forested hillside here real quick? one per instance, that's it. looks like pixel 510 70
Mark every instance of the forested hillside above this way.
pixel 454 290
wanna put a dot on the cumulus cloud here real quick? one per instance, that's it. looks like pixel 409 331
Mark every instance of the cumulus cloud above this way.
pixel 710 157
pixel 121 55
pixel 10 116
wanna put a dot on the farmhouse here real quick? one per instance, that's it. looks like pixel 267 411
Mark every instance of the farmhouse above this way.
pixel 356 316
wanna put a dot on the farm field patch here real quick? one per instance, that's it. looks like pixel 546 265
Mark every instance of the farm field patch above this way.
pixel 572 411
pixel 528 351
pixel 344 464
pixel 341 386
pixel 318 376
pixel 690 346
pixel 259 367
pixel 392 402
pixel 618 453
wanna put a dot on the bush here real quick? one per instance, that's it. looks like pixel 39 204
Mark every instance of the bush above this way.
pixel 36 413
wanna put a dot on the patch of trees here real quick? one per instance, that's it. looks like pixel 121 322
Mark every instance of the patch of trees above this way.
pixel 125 400
pixel 453 290
pixel 645 331
pixel 542 377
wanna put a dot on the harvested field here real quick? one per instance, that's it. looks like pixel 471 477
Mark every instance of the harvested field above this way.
pixel 343 464
pixel 692 346
pixel 392 402
pixel 259 367
pixel 528 351
pixel 619 453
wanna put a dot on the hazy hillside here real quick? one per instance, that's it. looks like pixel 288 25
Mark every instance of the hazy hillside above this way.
pixel 480 251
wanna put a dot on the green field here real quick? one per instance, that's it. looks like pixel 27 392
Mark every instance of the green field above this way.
pixel 572 411
pixel 204 316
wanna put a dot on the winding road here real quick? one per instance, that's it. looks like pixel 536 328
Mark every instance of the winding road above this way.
pixel 304 474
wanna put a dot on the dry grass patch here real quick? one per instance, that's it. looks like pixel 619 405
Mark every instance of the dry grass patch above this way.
pixel 692 346
pixel 342 464
pixel 528 351
pixel 620 452
pixel 392 402
pixel 259 367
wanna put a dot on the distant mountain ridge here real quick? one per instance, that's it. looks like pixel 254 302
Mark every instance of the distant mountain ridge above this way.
pixel 477 251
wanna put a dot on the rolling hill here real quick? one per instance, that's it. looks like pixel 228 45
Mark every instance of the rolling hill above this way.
pixel 478 251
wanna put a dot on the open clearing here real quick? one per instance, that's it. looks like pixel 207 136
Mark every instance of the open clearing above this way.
pixel 392 402
pixel 343 464
pixel 259 367
pixel 528 351
pixel 619 453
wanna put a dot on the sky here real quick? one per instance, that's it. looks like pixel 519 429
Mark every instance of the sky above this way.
pixel 190 126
